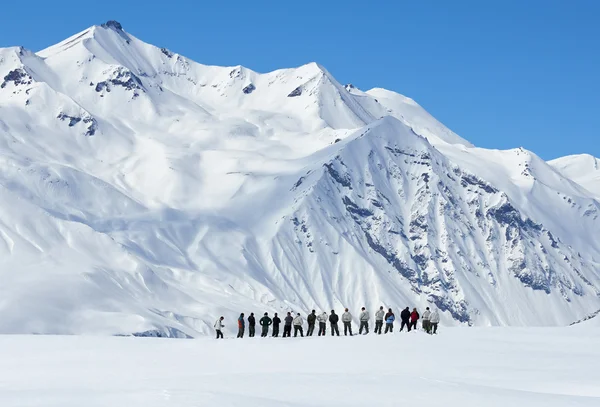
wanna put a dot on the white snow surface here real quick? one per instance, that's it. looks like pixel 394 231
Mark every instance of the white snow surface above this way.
pixel 549 367
pixel 141 191
pixel 583 169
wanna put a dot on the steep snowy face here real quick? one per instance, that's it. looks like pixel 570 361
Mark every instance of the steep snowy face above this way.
pixel 583 169
pixel 142 191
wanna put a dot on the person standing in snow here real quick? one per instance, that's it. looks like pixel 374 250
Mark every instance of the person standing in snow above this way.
pixel 405 317
pixel 426 320
pixel 251 325
pixel 364 321
pixel 265 321
pixel 298 321
pixel 311 319
pixel 347 320
pixel 276 322
pixel 241 326
pixel 414 317
pixel 219 327
pixel 333 322
pixel 287 325
pixel 322 318
pixel 434 320
pixel 379 320
pixel 389 321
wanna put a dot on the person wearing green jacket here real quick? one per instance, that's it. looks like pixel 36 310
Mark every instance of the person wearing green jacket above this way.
pixel 265 321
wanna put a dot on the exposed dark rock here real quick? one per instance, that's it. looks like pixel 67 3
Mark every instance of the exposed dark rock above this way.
pixel 468 179
pixel 507 215
pixel 295 92
pixel 391 258
pixel 92 125
pixel 113 24
pixel 72 120
pixel 249 89
pixel 355 209
pixel 342 180
pixel 459 311
pixel 18 77
pixel 168 53
pixel 123 78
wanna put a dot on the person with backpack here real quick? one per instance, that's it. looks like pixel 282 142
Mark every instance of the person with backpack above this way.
pixel 347 320
pixel 241 326
pixel 364 321
pixel 389 321
pixel 298 321
pixel 251 325
pixel 426 320
pixel 414 317
pixel 276 322
pixel 322 318
pixel 405 317
pixel 287 325
pixel 434 320
pixel 311 319
pixel 219 327
pixel 379 320
pixel 333 322
pixel 265 322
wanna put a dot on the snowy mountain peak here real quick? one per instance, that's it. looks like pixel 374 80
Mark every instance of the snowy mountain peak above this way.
pixel 142 192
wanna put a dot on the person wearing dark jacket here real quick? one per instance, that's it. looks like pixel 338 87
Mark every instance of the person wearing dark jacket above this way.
pixel 311 319
pixel 414 317
pixel 405 317
pixel 287 325
pixel 251 325
pixel 276 322
pixel 389 321
pixel 241 326
pixel 265 322
pixel 333 322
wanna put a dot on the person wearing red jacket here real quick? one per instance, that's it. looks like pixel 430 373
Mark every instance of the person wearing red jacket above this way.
pixel 414 317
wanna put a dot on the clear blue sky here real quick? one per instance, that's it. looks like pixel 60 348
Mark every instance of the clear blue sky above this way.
pixel 500 73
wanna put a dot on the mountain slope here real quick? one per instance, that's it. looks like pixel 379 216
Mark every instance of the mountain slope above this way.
pixel 144 192
pixel 583 169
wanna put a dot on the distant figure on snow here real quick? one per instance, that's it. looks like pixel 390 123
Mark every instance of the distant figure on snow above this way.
pixel 426 320
pixel 322 318
pixel 389 321
pixel 379 320
pixel 405 317
pixel 333 322
pixel 434 320
pixel 241 326
pixel 311 319
pixel 347 320
pixel 276 322
pixel 251 324
pixel 414 317
pixel 298 321
pixel 287 325
pixel 265 321
pixel 364 321
pixel 219 327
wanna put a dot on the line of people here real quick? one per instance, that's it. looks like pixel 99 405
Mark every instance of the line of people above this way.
pixel 430 321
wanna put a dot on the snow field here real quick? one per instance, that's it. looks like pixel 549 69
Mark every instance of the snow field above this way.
pixel 550 367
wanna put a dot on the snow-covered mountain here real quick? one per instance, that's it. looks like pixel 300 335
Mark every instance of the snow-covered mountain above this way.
pixel 583 169
pixel 142 191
